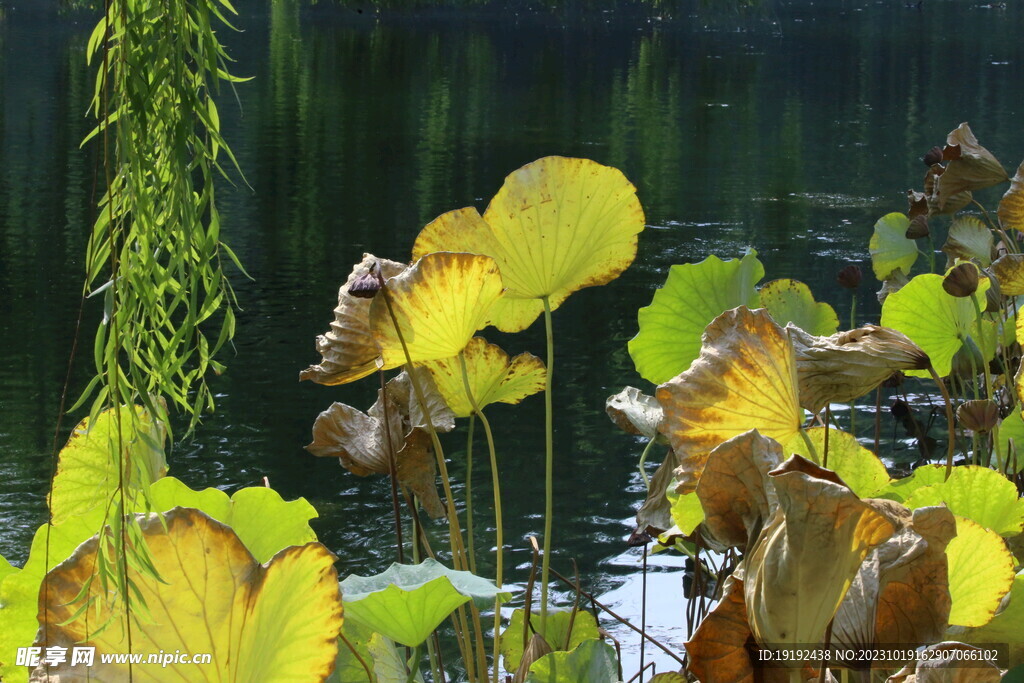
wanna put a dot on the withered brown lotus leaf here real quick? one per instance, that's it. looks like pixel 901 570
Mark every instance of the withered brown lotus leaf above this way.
pixel 732 488
pixel 850 364
pixel 1011 207
pixel 717 652
pixel 744 378
pixel 933 666
pixel 953 203
pixel 979 416
pixel 535 649
pixel 348 348
pixel 969 239
pixel 971 166
pixel 806 556
pixel 634 412
pixel 402 393
pixel 655 515
pixel 918 227
pixel 901 592
pixel 917 204
pixel 894 283
pixel 1009 272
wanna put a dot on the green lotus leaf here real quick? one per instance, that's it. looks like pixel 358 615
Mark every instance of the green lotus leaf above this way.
pixel 686 509
pixel 694 294
pixel 212 597
pixel 87 475
pixel 556 633
pixel 406 602
pixel 592 661
pixel 791 301
pixel 557 225
pixel 979 494
pixel 890 249
pixel 1011 208
pixel 6 568
pixel 439 303
pixel 1011 431
pixel 934 320
pixel 901 489
pixel 493 377
pixel 969 239
pixel 347 667
pixel 387 663
pixel 1008 270
pixel 859 468
pixel 1007 626
pixel 980 573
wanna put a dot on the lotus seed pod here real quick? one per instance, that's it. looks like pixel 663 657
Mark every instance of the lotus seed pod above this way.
pixel 849 277
pixel 961 281
pixel 933 156
pixel 365 286
pixel 978 416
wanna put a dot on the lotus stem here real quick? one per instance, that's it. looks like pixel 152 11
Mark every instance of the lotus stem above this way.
pixel 878 418
pixel 828 428
pixel 392 470
pixel 643 459
pixel 853 402
pixel 366 668
pixel 470 543
pixel 549 458
pixel 949 418
pixel 811 450
pixel 413 663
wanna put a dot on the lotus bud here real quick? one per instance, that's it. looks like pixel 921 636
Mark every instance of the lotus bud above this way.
pixel 365 286
pixel 961 281
pixel 638 538
pixel 978 416
pixel 933 156
pixel 895 380
pixel 849 277
pixel 918 227
pixel 899 409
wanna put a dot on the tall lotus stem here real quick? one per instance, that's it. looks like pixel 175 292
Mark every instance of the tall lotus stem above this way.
pixel 949 418
pixel 392 469
pixel 470 543
pixel 549 458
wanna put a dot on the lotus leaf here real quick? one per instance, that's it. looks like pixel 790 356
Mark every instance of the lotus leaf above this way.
pixel 934 320
pixel 896 281
pixel 807 554
pixel 969 239
pixel 900 593
pixel 634 412
pixel 655 514
pixel 791 301
pixel 1011 439
pixel 87 474
pixel 493 378
pixel 592 661
pixel 971 166
pixel 668 677
pixel 349 350
pixel 686 510
pixel 387 664
pixel 850 364
pixel 717 651
pixel 1008 269
pixel 439 303
pixel 1007 626
pixel 979 494
pixel 937 664
pixel 925 475
pixel 980 573
pixel 214 598
pixel 732 490
pixel 744 378
pixel 890 248
pixel 556 633
pixel 557 225
pixel 406 602
pixel 931 191
pixel 694 294
pixel 6 568
pixel 1011 208
pixel 859 468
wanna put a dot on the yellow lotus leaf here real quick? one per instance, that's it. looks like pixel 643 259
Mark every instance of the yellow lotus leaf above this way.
pixel 732 488
pixel 900 593
pixel 439 303
pixel 859 468
pixel 1011 208
pixel 557 225
pixel 349 350
pixel 850 364
pixel 1008 624
pixel 791 302
pixel 745 378
pixel 971 166
pixel 980 573
pixel 278 621
pixel 717 651
pixel 807 555
pixel 1008 270
pixel 948 662
pixel 493 377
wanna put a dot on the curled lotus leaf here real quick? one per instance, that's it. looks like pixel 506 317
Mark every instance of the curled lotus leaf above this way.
pixel 807 554
pixel 1011 208
pixel 981 573
pixel 745 378
pixel 890 248
pixel 655 514
pixel 212 597
pixel 969 239
pixel 900 593
pixel 733 488
pixel 931 191
pixel 439 303
pixel 556 225
pixel 848 365
pixel 934 320
pixel 634 412
pixel 349 350
pixel 717 651
pixel 493 377
pixel 694 294
pixel 859 468
pixel 971 166
pixel 1008 270
pixel 938 664
pixel 406 602
pixel 978 493
pixel 791 302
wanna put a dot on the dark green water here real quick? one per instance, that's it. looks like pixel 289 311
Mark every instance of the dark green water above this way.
pixel 791 132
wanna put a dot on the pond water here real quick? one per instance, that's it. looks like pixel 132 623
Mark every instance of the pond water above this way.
pixel 791 131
